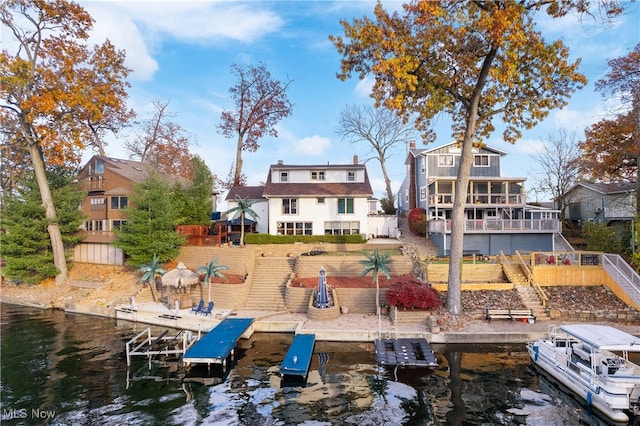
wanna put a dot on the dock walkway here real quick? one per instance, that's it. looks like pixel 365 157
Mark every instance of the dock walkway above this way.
pixel 298 358
pixel 218 344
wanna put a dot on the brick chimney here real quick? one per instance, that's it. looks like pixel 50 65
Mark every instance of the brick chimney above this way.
pixel 412 144
pixel 355 159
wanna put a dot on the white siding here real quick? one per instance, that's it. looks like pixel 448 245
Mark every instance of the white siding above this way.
pixel 308 210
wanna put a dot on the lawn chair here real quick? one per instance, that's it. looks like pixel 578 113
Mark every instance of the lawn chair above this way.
pixel 197 309
pixel 207 311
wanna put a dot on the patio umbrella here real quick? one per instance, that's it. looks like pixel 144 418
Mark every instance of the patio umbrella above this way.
pixel 180 277
pixel 322 301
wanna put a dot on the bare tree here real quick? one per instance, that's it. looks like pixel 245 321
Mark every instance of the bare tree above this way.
pixel 162 142
pixel 260 103
pixel 559 161
pixel 382 129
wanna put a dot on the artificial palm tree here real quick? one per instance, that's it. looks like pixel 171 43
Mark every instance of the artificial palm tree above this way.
pixel 211 270
pixel 376 263
pixel 150 270
pixel 240 211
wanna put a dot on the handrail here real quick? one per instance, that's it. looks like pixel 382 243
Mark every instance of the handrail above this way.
pixel 624 275
pixel 527 274
pixel 532 281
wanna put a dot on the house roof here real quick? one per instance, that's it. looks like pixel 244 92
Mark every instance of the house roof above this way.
pixel 132 170
pixel 608 188
pixel 417 152
pixel 318 189
pixel 247 192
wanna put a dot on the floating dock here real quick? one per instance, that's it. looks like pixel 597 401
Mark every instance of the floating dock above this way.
pixel 296 362
pixel 218 344
pixel 405 353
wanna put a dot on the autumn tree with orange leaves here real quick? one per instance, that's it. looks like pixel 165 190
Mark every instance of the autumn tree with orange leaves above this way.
pixel 58 95
pixel 611 149
pixel 478 62
pixel 260 103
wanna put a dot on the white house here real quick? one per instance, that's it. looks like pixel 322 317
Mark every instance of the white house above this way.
pixel 328 199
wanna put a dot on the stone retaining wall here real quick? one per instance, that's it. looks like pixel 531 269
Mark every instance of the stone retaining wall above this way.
pixel 591 316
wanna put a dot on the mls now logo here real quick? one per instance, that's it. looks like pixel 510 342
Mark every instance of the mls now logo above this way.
pixel 12 413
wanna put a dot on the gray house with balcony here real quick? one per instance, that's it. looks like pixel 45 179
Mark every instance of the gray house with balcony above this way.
pixel 610 203
pixel 497 217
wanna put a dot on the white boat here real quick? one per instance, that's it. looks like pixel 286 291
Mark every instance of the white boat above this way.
pixel 593 362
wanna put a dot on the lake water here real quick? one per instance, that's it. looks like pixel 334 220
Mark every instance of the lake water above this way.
pixel 66 369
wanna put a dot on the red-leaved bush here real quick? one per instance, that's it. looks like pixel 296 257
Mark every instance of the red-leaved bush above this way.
pixel 413 294
pixel 418 221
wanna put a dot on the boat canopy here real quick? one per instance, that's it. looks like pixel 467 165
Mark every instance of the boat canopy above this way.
pixel 603 337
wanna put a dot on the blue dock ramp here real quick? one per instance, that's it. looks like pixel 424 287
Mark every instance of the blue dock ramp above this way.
pixel 216 346
pixel 298 358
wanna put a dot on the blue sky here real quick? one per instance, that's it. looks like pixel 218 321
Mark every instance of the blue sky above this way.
pixel 182 51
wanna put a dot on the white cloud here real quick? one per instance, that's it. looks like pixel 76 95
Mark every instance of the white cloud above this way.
pixel 312 146
pixel 363 88
pixel 140 28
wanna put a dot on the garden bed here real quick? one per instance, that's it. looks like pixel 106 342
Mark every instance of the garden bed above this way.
pixel 350 282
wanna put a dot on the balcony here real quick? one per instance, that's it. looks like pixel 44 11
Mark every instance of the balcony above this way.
pixel 486 200
pixel 93 183
pixel 498 226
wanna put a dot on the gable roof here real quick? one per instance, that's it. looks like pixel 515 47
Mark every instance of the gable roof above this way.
pixel 318 189
pixel 414 152
pixel 134 171
pixel 248 192
pixel 607 188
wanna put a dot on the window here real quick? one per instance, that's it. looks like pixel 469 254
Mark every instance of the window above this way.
pixel 97 203
pixel 345 205
pixel 96 168
pixel 118 224
pixel 423 165
pixel 284 176
pixel 445 160
pixel 93 225
pixel 320 200
pixel 345 227
pixel 423 193
pixel 351 176
pixel 295 228
pixel 481 161
pixel 317 175
pixel 289 206
pixel 118 203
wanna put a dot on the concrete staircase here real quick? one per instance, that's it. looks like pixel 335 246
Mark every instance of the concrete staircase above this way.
pixel 531 300
pixel 270 276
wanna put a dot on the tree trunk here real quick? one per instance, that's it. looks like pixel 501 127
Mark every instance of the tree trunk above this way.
pixel 387 181
pixel 454 285
pixel 242 230
pixel 238 172
pixel 59 257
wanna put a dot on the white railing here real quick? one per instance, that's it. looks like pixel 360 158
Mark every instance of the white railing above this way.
pixel 498 226
pixel 624 275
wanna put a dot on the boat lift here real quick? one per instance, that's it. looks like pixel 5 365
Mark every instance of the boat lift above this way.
pixel 145 344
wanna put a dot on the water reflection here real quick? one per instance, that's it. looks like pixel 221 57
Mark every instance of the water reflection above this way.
pixel 75 366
